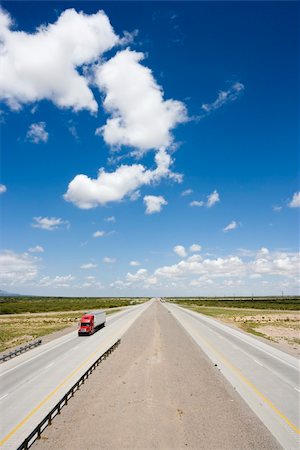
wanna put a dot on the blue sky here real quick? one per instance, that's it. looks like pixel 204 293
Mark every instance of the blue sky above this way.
pixel 191 111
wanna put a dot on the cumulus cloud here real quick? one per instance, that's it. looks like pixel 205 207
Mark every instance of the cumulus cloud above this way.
pixel 180 251
pixel 212 199
pixel 98 234
pixel 195 248
pixel 231 226
pixel 88 266
pixel 43 65
pixel 295 202
pixel 141 274
pixel 141 118
pixel 56 282
pixel 108 260
pixel 37 133
pixel 197 203
pixel 134 263
pixel 17 268
pixel 154 203
pixel 36 249
pixel 186 192
pixel 88 193
pixel 224 97
pixel 49 223
pixel 265 267
pixel 3 188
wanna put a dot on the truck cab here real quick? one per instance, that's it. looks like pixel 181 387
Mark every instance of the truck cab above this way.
pixel 86 325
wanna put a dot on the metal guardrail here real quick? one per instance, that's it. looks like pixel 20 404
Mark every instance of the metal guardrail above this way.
pixel 37 432
pixel 20 350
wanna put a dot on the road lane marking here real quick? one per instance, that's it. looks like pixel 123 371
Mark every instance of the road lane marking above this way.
pixel 36 356
pixel 49 365
pixel 8 436
pixel 245 380
pixel 257 362
pixel 3 396
pixel 235 333
pixel 297 389
pixel 63 342
pixel 34 410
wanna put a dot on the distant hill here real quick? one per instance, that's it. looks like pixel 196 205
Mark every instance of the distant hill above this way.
pixel 8 294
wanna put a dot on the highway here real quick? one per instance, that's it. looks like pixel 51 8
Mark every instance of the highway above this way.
pixel 157 351
pixel 266 378
pixel 32 383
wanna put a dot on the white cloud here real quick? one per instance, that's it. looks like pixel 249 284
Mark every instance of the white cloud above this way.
pixel 224 97
pixel 141 274
pixel 195 258
pixel 295 202
pixel 16 268
pixel 108 260
pixel 98 234
pixel 180 251
pixel 88 193
pixel 49 223
pixel 141 118
pixel 186 192
pixel 231 226
pixel 277 208
pixel 3 188
pixel 110 219
pixel 88 266
pixel 154 203
pixel 195 248
pixel 37 133
pixel 212 199
pixel 277 269
pixel 90 278
pixel 196 203
pixel 263 251
pixel 36 249
pixel 42 65
pixel 57 281
pixel 134 263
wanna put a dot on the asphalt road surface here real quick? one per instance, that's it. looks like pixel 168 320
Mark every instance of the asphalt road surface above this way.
pixel 267 378
pixel 32 383
pixel 159 390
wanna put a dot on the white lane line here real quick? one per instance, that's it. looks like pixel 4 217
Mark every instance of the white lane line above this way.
pixel 34 357
pixel 49 365
pixel 238 335
pixel 297 389
pixel 3 396
pixel 257 362
pixel 52 348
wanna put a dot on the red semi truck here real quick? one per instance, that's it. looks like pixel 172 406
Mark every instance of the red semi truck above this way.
pixel 91 322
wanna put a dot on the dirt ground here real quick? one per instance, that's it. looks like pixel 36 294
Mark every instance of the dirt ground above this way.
pixel 280 328
pixel 158 390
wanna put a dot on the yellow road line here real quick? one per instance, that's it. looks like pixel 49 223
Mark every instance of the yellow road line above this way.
pixel 234 369
pixel 16 428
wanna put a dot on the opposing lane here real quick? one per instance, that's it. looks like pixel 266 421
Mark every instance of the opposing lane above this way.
pixel 265 377
pixel 40 378
pixel 24 366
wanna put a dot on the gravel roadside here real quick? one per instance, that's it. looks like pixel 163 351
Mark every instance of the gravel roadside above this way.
pixel 158 390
